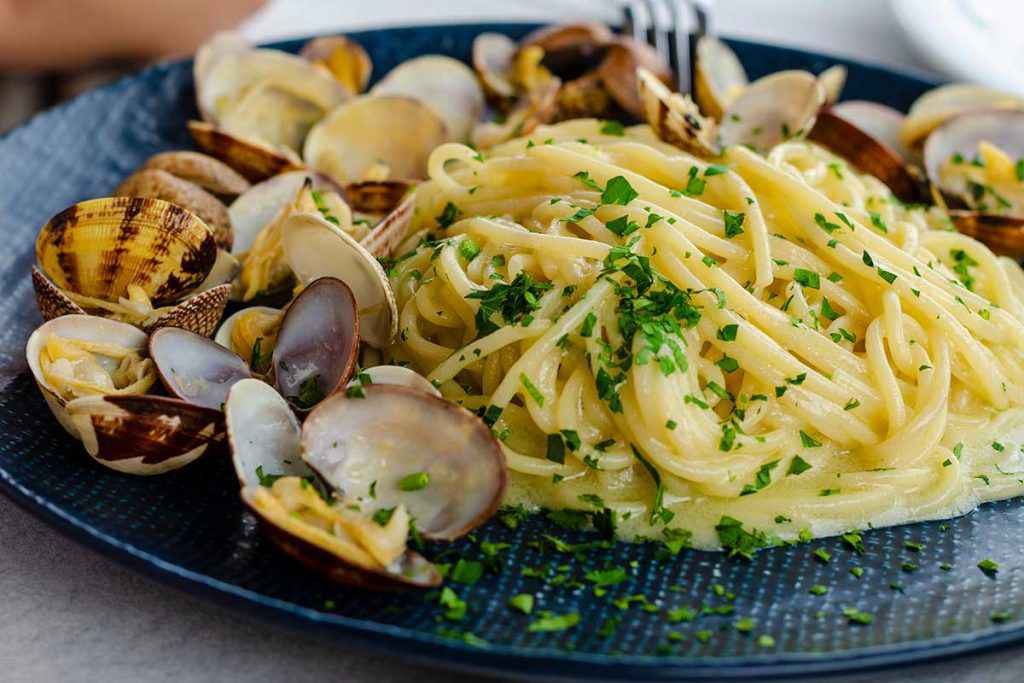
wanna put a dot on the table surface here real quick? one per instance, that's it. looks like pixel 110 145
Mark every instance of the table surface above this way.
pixel 70 614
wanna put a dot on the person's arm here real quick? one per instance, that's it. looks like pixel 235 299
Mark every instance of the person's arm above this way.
pixel 63 34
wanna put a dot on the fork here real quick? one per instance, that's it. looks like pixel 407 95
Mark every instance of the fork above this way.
pixel 663 24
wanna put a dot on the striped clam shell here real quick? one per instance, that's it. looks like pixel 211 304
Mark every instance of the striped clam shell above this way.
pixel 98 247
pixel 255 160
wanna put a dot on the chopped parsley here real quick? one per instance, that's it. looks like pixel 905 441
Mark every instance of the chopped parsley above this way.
pixel 448 215
pixel 618 191
pixel 807 278
pixel 733 222
pixel 548 622
pixel 522 602
pixel 988 567
pixel 309 394
pixel 736 540
pixel 414 482
pixel 797 466
pixel 613 128
pixel 514 300
pixel 532 390
pixel 762 479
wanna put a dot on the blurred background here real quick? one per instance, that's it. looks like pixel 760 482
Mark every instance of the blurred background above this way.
pixel 54 49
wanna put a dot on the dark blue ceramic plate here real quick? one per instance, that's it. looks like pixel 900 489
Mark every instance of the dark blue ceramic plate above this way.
pixel 189 528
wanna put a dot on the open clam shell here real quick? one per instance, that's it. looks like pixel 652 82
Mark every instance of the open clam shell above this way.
pixel 194 368
pixel 533 108
pixel 675 118
pixel 877 120
pixel 376 196
pixel 937 106
pixel 205 171
pixel 1002 234
pixel 384 237
pixel 570 50
pixel 429 455
pixel 210 52
pixel 318 343
pixel 398 375
pixel 868 154
pixel 263 433
pixel 832 81
pixel 492 60
pixel 144 435
pixel 86 328
pixel 719 76
pixel 255 209
pixel 368 132
pixel 315 249
pixel 446 85
pixel 618 72
pixel 347 61
pixel 254 160
pixel 98 247
pixel 159 184
pixel 773 109
pixel 226 332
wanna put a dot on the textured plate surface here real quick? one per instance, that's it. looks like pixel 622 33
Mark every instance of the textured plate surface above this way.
pixel 189 528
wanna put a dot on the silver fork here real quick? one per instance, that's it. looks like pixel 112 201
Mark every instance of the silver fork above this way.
pixel 664 25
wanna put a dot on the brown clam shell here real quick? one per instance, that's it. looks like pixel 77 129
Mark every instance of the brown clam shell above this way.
pixel 194 368
pixel 376 196
pixel 618 72
pixel 158 184
pixel 199 313
pixel 391 230
pixel 144 435
pixel 869 155
pixel 570 50
pixel 585 97
pixel 1002 234
pixel 52 302
pixel 208 173
pixel 254 160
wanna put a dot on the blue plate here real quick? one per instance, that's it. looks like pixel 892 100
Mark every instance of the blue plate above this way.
pixel 188 527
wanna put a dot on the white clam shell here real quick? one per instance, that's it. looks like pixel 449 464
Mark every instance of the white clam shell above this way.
pixel 948 101
pixel 877 120
pixel 399 375
pixel 772 109
pixel 263 432
pixel 720 76
pixel 252 211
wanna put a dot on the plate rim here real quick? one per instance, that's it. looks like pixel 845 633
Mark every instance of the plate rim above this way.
pixel 427 648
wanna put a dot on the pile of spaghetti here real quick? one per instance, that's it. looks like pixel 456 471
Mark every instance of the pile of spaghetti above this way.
pixel 764 345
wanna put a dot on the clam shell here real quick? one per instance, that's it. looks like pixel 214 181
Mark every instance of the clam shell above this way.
pixel 618 73
pixel 719 76
pixel 347 61
pixel 318 341
pixel 262 432
pixel 411 570
pixel 270 114
pixel 398 375
pixel 773 109
pixel 199 313
pixel 675 118
pixel 1002 234
pixel 832 81
pixel 877 120
pixel 492 60
pixel 314 249
pixel 390 231
pixel 937 106
pixel 399 132
pixel 50 300
pixel 868 154
pixel 585 97
pixel 376 196
pixel 208 173
pixel 223 336
pixel 194 368
pixel 536 107
pixel 159 184
pixel 144 435
pixel 83 327
pixel 446 85
pixel 395 431
pixel 98 247
pixel 254 160
pixel 570 50
pixel 209 53
pixel 255 209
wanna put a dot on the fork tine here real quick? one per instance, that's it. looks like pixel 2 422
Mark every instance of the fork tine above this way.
pixel 636 19
pixel 659 33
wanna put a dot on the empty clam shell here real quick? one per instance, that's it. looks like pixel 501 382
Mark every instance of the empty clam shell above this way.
pixel 390 231
pixel 205 171
pixel 144 435
pixel 314 249
pixel 1002 234
pixel 194 368
pixel 345 59
pixel 317 344
pixel 877 120
pixel 337 557
pixel 255 209
pixel 223 83
pixel 263 433
pixel 719 76
pixel 868 154
pixel 98 247
pixel 433 457
pixel 399 375
pixel 376 196
pixel 87 328
pixel 618 73
pixel 255 160
pixel 773 109
pixel 492 60
pixel 159 184
pixel 270 114
pixel 948 101
pixel 832 81
pixel 675 118
pixel 446 85
pixel 396 132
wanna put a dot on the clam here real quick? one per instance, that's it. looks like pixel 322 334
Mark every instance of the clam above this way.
pixel 317 344
pixel 533 108
pixel 877 120
pixel 210 52
pixel 719 76
pixel 390 231
pixel 832 81
pixel 209 173
pixel 1002 234
pixel 329 536
pixel 492 60
pixel 395 374
pixel 140 260
pixel 675 118
pixel 446 85
pixel 251 333
pixel 868 154
pixel 158 184
pixel 144 435
pixel 314 248
pixel 618 73
pixel 378 135
pixel 399 447
pixel 255 209
pixel 376 197
pixel 949 101
pixel 345 59
pixel 81 355
pixel 195 369
pixel 570 50
pixel 773 109
pixel 270 114
pixel 253 159
pixel 585 97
